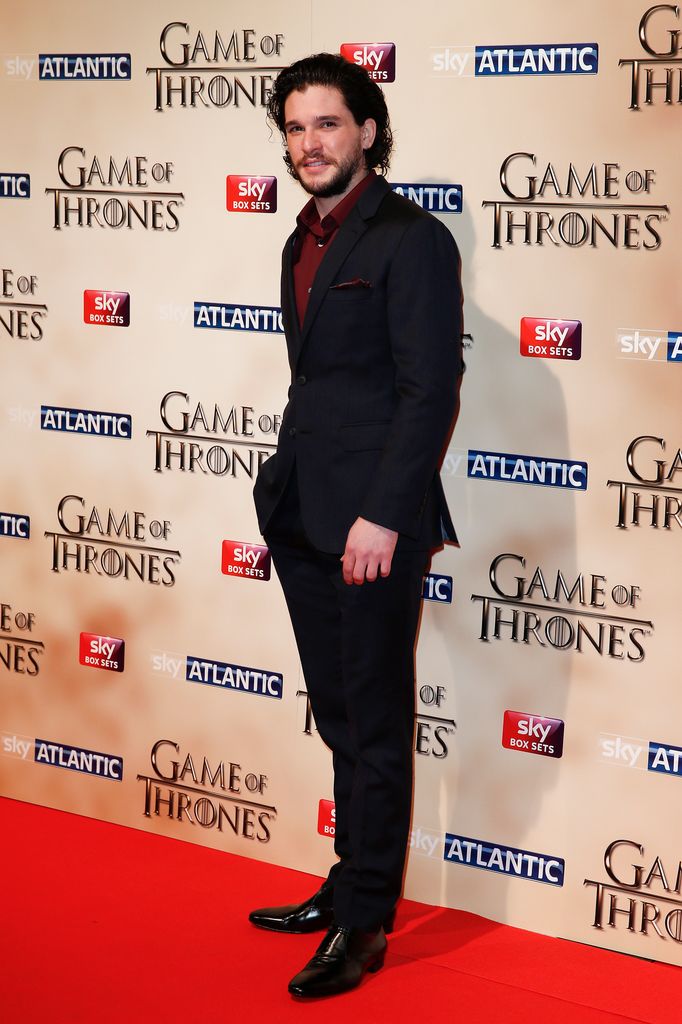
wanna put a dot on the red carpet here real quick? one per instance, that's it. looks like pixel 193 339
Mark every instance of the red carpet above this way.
pixel 105 924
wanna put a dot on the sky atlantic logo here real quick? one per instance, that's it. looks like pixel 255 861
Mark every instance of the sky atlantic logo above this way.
pixel 79 759
pixel 434 198
pixel 120 545
pixel 550 339
pixel 222 316
pixel 533 734
pixel 589 207
pixel 507 860
pixel 20 316
pixel 19 747
pixel 86 421
pixel 103 67
pixel 649 346
pixel 527 469
pixel 649 497
pixel 251 194
pixel 258 681
pixel 15 185
pixel 20 652
pixel 101 652
pixel 560 612
pixel 436 587
pixel 517 59
pixel 665 758
pixel 658 77
pixel 107 309
pixel 378 59
pixel 204 69
pixel 248 561
pixel 14 524
pixel 114 193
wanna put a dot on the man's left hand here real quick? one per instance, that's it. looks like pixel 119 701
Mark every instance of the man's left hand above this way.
pixel 369 550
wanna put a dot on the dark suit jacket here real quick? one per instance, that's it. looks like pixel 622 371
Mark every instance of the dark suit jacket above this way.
pixel 374 378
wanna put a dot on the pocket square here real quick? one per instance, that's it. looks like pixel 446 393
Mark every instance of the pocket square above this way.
pixel 357 282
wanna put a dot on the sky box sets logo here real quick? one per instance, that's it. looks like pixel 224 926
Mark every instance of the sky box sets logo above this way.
pixel 106 309
pixel 378 59
pixel 248 194
pixel 550 339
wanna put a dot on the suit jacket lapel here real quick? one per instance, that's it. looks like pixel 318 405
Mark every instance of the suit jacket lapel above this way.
pixel 352 229
pixel 292 327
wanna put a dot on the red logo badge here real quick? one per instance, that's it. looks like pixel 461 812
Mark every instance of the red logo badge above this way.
pixel 102 652
pixel 242 559
pixel 533 734
pixel 107 309
pixel 251 194
pixel 378 59
pixel 326 818
pixel 550 339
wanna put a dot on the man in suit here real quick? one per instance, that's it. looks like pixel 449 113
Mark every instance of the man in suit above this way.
pixel 351 504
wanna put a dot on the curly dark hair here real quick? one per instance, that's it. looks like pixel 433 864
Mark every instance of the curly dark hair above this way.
pixel 363 97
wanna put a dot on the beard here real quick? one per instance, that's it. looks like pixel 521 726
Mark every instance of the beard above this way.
pixel 339 181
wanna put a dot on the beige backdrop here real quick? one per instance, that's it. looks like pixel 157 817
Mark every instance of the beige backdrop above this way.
pixel 449 129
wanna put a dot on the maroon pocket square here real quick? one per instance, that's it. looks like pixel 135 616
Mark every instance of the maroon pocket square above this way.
pixel 357 282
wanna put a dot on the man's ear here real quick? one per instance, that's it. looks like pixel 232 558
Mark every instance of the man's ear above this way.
pixel 368 133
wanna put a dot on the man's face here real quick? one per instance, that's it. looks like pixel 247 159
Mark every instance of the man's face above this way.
pixel 325 144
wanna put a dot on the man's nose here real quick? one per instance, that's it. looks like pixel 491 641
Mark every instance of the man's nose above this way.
pixel 311 140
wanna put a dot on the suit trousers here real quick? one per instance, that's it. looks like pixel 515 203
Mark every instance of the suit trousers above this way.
pixel 356 645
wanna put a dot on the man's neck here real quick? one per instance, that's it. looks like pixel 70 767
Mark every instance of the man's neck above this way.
pixel 325 204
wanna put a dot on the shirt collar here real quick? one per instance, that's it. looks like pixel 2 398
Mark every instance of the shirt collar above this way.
pixel 309 219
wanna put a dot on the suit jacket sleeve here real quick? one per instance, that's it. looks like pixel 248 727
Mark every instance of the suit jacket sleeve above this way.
pixel 424 308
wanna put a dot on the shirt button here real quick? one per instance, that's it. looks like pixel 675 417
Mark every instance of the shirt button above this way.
pixel 301 380
pixel 292 431
pixel 320 243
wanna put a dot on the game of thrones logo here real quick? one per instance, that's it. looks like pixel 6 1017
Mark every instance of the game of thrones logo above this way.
pixel 567 614
pixel 20 317
pixel 109 543
pixel 657 78
pixel 649 498
pixel 219 441
pixel 114 192
pixel 221 796
pixel 432 733
pixel 215 69
pixel 575 207
pixel 19 651
pixel 643 898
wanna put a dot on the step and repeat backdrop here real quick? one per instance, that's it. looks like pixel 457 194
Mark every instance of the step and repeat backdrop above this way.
pixel 148 674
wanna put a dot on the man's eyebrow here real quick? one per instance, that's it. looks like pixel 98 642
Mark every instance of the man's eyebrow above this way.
pixel 320 117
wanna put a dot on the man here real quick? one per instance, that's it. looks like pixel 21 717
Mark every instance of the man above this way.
pixel 351 504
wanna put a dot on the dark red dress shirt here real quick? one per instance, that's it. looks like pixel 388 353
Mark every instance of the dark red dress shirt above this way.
pixel 314 238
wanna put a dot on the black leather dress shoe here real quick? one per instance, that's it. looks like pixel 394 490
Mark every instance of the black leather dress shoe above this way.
pixel 315 915
pixel 340 962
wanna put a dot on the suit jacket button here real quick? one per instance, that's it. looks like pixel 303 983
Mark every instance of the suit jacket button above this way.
pixel 301 380
pixel 292 431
